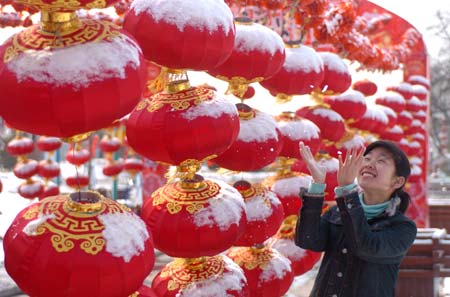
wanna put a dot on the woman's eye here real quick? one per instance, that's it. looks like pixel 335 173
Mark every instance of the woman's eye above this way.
pixel 382 161
pixel 367 159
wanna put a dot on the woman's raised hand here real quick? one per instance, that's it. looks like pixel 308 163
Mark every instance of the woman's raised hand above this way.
pixel 348 169
pixel 318 172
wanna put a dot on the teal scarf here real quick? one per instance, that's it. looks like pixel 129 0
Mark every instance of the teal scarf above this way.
pixel 372 211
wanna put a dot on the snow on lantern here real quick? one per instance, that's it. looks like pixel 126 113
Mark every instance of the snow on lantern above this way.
pixel 48 168
pixel 109 145
pixel 257 145
pixel 206 276
pixel 348 142
pixel 178 34
pixel 194 217
pixel 330 123
pixel 419 80
pixel 268 273
pixel 64 246
pixel 404 88
pixel 416 174
pixel 391 115
pixel 416 126
pixel 394 134
pixel 77 156
pixel 393 100
pixel 420 92
pixel 182 123
pixel 50 189
pixel 301 73
pixel 294 129
pixel 374 120
pixel 78 76
pixel 257 55
pixel 420 115
pixel 337 77
pixel 263 210
pixel 301 260
pixel 415 104
pixel 404 119
pixel 351 104
pixel 365 86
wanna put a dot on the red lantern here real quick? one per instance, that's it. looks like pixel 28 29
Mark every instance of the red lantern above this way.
pixel 287 189
pixel 195 218
pixel 48 169
pixel 63 246
pixel 391 115
pixel 416 174
pixel 133 165
pixel 268 273
pixel 195 123
pixel 393 100
pixel 109 144
pixel 77 156
pixel 419 80
pixel 257 145
pixel 415 127
pixel 374 120
pixel 20 146
pixel 48 144
pixel 257 55
pixel 77 182
pixel 295 129
pixel 420 115
pixel 50 189
pixel 415 105
pixel 404 119
pixel 351 105
pixel 30 189
pixel 349 142
pixel 113 168
pixel 63 97
pixel 393 134
pixel 196 35
pixel 367 87
pixel 206 276
pixel 330 123
pixel 264 213
pixel 420 92
pixel 404 88
pixel 301 260
pixel 26 169
pixel 301 73
pixel 337 77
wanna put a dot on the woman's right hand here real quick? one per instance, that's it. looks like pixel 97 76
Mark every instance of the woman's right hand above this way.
pixel 317 172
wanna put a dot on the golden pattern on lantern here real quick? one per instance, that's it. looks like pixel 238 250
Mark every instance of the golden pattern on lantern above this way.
pixel 186 271
pixel 62 4
pixel 249 191
pixel 287 228
pixel 252 258
pixel 180 101
pixel 72 223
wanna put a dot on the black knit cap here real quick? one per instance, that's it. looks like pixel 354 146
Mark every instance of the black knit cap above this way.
pixel 402 166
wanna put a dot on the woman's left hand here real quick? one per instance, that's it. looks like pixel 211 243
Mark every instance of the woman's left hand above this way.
pixel 348 169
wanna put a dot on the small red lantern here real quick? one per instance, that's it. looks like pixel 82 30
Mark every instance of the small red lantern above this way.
pixel 420 115
pixel 367 87
pixel 419 80
pixel 133 165
pixel 420 92
pixel 337 77
pixel 195 218
pixel 77 156
pixel 301 73
pixel 197 35
pixel 351 105
pixel 415 127
pixel 287 189
pixel 264 213
pixel 268 273
pixel 48 144
pixel 331 123
pixel 109 144
pixel 393 134
pixel 257 55
pixel 391 115
pixel 415 105
pixel 31 189
pixel 206 276
pixel 404 119
pixel 393 100
pixel 404 88
pixel 50 189
pixel 194 123
pixel 349 142
pixel 257 145
pixel 20 146
pixel 77 182
pixel 26 169
pixel 294 129
pixel 374 120
pixel 113 168
pixel 73 240
pixel 48 169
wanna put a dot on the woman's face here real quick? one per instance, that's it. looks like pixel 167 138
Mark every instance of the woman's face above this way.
pixel 377 173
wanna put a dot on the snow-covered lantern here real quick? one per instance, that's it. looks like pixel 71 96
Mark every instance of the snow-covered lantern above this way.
pixel 264 213
pixel 393 134
pixel 420 92
pixel 415 104
pixel 404 88
pixel 268 273
pixel 337 77
pixel 257 55
pixel 257 145
pixel 194 217
pixel 330 123
pixel 374 120
pixel 416 126
pixel 393 100
pixel 73 241
pixel 205 276
pixel 419 80
pixel 365 86
pixel 301 73
pixel 390 113
pixel 351 104
pixel 196 35
pixel 404 119
pixel 350 141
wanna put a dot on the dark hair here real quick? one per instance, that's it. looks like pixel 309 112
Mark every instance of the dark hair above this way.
pixel 402 168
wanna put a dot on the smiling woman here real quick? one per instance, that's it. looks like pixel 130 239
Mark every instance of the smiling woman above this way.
pixel 366 235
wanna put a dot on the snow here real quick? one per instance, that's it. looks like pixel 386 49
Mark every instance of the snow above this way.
pixel 419 89
pixel 213 108
pixel 351 96
pixel 328 113
pixel 287 248
pixel 415 160
pixel 217 285
pixel 330 164
pixel 405 87
pixel 125 234
pixel 333 62
pixel 416 170
pixel 200 14
pixel 406 114
pixel 301 129
pixel 276 268
pixel 396 129
pixel 80 65
pixel 256 37
pixel 260 128
pixel 375 113
pixel 414 79
pixel 418 136
pixel 388 111
pixel 31 227
pixel 257 209
pixel 290 186
pixel 25 168
pixel 304 59
pixel 415 101
pixel 223 210
pixel 30 188
pixel 21 142
pixel 356 141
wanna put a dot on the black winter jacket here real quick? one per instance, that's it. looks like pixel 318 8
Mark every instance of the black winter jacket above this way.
pixel 362 257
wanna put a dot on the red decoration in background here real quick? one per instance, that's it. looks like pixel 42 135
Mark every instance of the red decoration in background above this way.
pixel 330 123
pixel 367 87
pixel 48 256
pixel 50 189
pixel 393 100
pixel 20 146
pixel 198 43
pixel 351 105
pixel 374 120
pixel 48 144
pixel 337 78
pixel 405 89
pixel 25 169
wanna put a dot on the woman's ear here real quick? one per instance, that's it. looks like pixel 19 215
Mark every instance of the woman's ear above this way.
pixel 399 182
